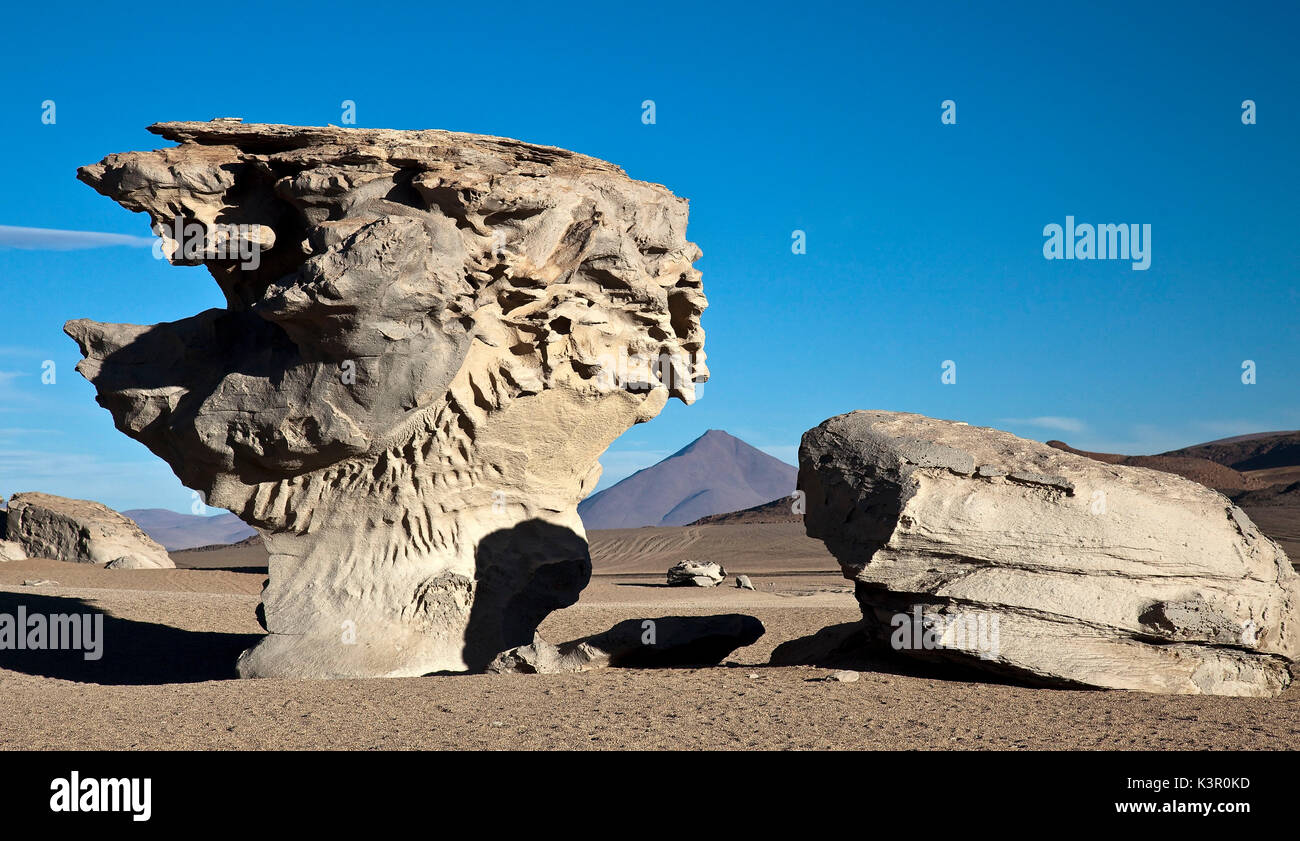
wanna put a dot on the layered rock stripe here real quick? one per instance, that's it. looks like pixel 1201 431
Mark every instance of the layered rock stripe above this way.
pixel 408 390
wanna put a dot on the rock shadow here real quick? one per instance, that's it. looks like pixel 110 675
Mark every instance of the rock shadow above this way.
pixel 522 574
pixel 134 653
pixel 850 646
pixel 680 642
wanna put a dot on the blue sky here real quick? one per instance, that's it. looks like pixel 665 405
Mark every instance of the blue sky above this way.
pixel 924 240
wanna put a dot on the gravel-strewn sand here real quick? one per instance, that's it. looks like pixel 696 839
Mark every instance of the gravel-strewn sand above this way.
pixel 172 636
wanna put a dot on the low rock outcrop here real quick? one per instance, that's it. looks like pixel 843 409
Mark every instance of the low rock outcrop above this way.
pixel 429 340
pixel 696 574
pixel 973 545
pixel 80 531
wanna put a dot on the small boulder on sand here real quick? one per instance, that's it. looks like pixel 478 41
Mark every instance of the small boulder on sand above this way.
pixel 696 574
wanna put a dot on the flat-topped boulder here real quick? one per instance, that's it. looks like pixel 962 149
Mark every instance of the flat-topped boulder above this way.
pixel 972 545
pixel 428 341
pixel 80 531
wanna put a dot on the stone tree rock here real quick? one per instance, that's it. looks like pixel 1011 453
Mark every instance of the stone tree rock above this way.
pixel 973 545
pixel 429 339
pixel 80 531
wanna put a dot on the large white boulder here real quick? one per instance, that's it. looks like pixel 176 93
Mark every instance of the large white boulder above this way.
pixel 972 544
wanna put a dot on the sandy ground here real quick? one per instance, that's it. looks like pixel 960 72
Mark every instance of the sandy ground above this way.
pixel 748 548
pixel 172 635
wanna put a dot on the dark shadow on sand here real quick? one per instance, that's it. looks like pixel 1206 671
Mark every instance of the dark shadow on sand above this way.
pixel 522 574
pixel 847 646
pixel 134 653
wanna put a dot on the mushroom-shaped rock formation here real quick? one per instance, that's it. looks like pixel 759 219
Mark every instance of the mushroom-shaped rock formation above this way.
pixel 429 339
pixel 969 544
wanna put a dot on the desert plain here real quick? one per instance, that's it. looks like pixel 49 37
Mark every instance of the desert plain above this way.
pixel 167 678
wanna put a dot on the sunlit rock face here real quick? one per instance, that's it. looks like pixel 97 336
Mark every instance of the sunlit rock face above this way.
pixel 971 546
pixel 429 339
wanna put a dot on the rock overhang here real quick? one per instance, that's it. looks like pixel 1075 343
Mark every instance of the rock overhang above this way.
pixel 429 347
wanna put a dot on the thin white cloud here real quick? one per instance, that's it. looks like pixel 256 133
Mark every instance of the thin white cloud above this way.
pixel 118 484
pixel 52 239
pixel 1049 422
pixel 12 393
pixel 18 431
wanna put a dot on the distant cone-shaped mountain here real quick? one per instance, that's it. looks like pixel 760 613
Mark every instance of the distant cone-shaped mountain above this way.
pixel 714 474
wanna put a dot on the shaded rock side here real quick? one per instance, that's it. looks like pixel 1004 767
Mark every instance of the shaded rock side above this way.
pixel 971 544
pixel 410 385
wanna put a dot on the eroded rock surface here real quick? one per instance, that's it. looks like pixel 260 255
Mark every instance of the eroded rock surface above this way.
pixel 973 545
pixel 80 531
pixel 696 574
pixel 435 338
